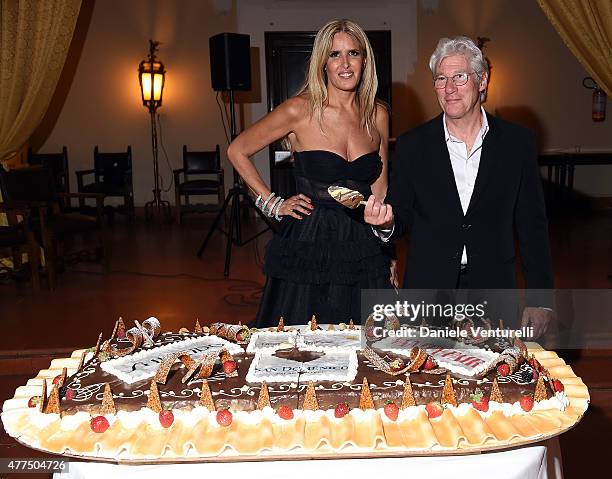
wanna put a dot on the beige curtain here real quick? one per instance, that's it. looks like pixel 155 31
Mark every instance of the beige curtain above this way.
pixel 34 40
pixel 586 28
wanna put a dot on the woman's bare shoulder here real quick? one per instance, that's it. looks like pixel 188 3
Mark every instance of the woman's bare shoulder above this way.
pixel 382 110
pixel 382 116
pixel 294 107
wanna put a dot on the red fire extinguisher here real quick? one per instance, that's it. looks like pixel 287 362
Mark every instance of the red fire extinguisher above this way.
pixel 600 99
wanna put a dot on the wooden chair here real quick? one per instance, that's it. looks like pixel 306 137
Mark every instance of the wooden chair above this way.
pixel 19 238
pixel 197 164
pixel 112 177
pixel 34 188
pixel 58 164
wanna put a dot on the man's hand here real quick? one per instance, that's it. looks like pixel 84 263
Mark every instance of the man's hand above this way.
pixel 393 276
pixel 538 318
pixel 378 213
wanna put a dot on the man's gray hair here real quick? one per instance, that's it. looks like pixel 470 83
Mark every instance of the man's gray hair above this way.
pixel 459 46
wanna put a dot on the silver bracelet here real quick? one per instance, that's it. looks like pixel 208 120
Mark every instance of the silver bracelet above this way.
pixel 278 218
pixel 275 207
pixel 258 201
pixel 270 212
pixel 263 207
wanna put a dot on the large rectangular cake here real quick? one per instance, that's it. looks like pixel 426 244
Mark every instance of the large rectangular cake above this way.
pixel 142 394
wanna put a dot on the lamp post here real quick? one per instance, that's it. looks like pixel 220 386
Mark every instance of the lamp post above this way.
pixel 152 75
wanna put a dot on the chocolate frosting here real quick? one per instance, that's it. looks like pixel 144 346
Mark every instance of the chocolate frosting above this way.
pixel 235 392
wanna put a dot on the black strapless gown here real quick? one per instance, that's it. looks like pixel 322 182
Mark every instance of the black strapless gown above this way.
pixel 318 265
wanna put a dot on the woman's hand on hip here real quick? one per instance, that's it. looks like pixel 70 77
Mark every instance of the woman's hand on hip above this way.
pixel 295 205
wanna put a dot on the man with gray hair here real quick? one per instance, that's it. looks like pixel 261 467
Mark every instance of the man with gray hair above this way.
pixel 461 184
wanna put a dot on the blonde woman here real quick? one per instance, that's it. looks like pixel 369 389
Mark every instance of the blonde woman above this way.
pixel 325 254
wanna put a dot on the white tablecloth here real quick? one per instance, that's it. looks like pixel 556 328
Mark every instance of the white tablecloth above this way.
pixel 541 461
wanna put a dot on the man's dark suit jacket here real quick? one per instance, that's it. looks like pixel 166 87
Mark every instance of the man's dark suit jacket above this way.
pixel 507 195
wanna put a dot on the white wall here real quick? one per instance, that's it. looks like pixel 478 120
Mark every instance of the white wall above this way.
pixel 536 79
pixel 103 106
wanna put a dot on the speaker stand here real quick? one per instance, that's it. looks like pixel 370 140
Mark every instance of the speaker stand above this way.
pixel 234 233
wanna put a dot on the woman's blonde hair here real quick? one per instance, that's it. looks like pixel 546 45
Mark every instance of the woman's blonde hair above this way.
pixel 315 86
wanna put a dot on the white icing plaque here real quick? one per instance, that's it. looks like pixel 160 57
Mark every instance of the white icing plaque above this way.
pixel 348 340
pixel 144 364
pixel 459 360
pixel 333 366
pixel 271 341
pixel 272 369
pixel 467 362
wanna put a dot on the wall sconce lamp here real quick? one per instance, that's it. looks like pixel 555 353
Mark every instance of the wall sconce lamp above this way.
pixel 598 110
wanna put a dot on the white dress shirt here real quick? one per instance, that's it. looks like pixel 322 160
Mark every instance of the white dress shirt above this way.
pixel 465 165
pixel 465 169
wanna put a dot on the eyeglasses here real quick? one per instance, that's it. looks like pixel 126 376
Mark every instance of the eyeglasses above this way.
pixel 459 79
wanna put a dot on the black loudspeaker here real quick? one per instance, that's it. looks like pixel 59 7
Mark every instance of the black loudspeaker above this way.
pixel 230 61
